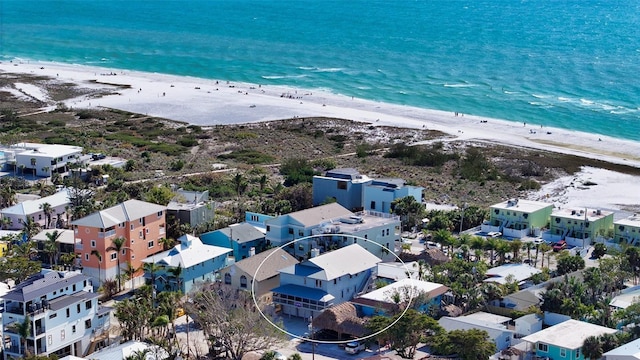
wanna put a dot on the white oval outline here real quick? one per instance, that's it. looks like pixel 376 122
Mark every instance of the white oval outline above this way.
pixel 255 302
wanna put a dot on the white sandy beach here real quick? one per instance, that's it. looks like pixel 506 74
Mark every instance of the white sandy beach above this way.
pixel 210 102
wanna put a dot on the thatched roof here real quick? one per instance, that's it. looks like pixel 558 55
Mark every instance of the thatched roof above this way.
pixel 430 256
pixel 452 310
pixel 342 318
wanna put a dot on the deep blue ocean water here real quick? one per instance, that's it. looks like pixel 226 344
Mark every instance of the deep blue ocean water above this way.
pixel 562 63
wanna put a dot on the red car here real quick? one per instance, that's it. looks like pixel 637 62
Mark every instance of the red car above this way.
pixel 560 245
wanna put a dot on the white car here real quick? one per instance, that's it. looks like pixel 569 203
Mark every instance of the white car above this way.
pixel 494 234
pixel 431 245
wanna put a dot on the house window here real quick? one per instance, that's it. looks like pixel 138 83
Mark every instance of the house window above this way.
pixel 87 324
pixel 300 233
pixel 150 244
pixel 563 352
pixel 268 228
pixel 227 279
pixel 342 185
pixel 543 347
pixel 93 243
pixel 39 216
pixel 49 339
pixel 146 230
pixel 114 256
pixel 68 312
pixel 387 232
pixel 243 282
pixel 290 231
pixel 140 234
pixel 61 334
pixel 78 308
pixel 131 227
pixel 577 353
pixel 373 205
pixel 53 315
pixel 140 220
pixel 73 329
pixel 87 305
pixel 124 251
pixel 86 257
pixel 159 213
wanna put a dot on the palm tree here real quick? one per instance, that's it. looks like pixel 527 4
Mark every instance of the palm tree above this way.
pixel 239 184
pixel 97 254
pixel 176 274
pixel 491 244
pixel 263 182
pixel 502 250
pixel 151 268
pixel 48 210
pixel 130 271
pixel 167 243
pixel 30 228
pixel 51 246
pixel 68 259
pixel 24 330
pixel 515 246
pixel 544 247
pixel 528 245
pixel 118 246
pixel 25 250
pixel 6 222
pixel 592 348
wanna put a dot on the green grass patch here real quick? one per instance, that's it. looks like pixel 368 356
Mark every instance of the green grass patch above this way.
pixel 248 156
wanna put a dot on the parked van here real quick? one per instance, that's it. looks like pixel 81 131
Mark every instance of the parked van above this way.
pixel 353 347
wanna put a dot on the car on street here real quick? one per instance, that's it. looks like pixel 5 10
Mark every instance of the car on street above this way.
pixel 494 234
pixel 354 347
pixel 538 241
pixel 431 245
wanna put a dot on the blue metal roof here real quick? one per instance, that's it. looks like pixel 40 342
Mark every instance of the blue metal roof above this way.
pixel 303 292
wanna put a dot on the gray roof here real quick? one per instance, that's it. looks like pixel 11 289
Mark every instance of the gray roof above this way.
pixel 316 215
pixel 348 260
pixel 121 213
pixel 41 284
pixel 242 232
pixel 68 300
pixel 268 262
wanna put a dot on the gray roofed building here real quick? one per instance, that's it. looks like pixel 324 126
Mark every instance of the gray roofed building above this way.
pixel 242 232
pixel 43 283
pixel 319 214
pixel 123 212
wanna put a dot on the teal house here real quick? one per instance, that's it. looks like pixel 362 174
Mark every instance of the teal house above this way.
pixel 244 239
pixel 185 265
pixel 564 340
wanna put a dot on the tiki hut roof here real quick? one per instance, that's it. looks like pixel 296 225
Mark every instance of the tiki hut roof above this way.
pixel 430 256
pixel 342 318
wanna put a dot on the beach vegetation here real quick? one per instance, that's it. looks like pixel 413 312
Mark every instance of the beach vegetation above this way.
pixel 475 166
pixel 187 141
pixel 529 184
pixel 420 155
pixel 243 135
pixel 247 156
pixel 296 171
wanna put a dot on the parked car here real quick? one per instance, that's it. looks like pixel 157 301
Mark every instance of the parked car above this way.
pixel 353 347
pixel 494 234
pixel 538 241
pixel 98 156
pixel 560 245
pixel 431 245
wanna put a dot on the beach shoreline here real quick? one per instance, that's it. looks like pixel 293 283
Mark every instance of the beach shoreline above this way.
pixel 206 102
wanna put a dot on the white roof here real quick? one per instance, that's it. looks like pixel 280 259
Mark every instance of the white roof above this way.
pixel 581 214
pixel 348 260
pixel 526 206
pixel 33 206
pixel 384 293
pixel 397 270
pixel 121 213
pixel 48 150
pixel 66 236
pixel 487 317
pixel 633 220
pixel 631 349
pixel 122 351
pixel 569 334
pixel 187 253
pixel 463 322
pixel 626 298
pixel 520 272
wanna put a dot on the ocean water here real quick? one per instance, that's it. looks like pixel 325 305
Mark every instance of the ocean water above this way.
pixel 568 64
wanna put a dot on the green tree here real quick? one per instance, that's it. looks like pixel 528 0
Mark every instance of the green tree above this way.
pixel 18 268
pixel 47 210
pixel 98 256
pixel 117 245
pixel 30 228
pixel 567 263
pixel 411 212
pixel 599 250
pixel 404 336
pixel 160 195
pixel 592 348
pixel 472 344
pixel 51 246
pixel 24 330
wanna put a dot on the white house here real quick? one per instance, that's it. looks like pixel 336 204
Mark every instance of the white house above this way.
pixel 33 208
pixel 316 284
pixel 626 298
pixel 64 314
pixel 498 332
pixel 44 159
pixel 628 351
pixel 519 273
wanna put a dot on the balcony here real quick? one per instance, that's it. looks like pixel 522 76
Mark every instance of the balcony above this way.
pixel 78 246
pixel 106 234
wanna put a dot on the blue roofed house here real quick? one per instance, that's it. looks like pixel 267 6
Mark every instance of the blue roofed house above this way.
pixel 424 295
pixel 564 340
pixel 379 194
pixel 197 262
pixel 308 288
pixel 331 226
pixel 356 192
pixel 241 238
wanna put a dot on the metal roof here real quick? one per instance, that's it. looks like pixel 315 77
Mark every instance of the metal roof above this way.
pixel 569 334
pixel 121 213
pixel 43 283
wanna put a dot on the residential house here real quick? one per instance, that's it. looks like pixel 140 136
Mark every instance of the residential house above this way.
pixel 186 264
pixel 517 218
pixel 356 192
pixel 257 220
pixel 258 273
pixel 379 194
pixel 191 207
pixel 332 226
pixel 628 351
pixel 627 231
pixel 66 242
pixel 64 313
pixel 515 272
pixel 241 238
pixel 527 325
pixel 33 208
pixel 141 224
pixel 578 227
pixel 344 186
pixel 522 300
pixel 626 298
pixel 424 295
pixel 308 288
pixel 564 340
pixel 390 272
pixel 494 325
pixel 45 159
pixel 129 350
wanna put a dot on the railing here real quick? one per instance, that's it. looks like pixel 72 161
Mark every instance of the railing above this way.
pixel 105 234
pixel 78 246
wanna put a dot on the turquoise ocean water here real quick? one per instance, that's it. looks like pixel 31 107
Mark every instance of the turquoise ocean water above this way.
pixel 569 64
